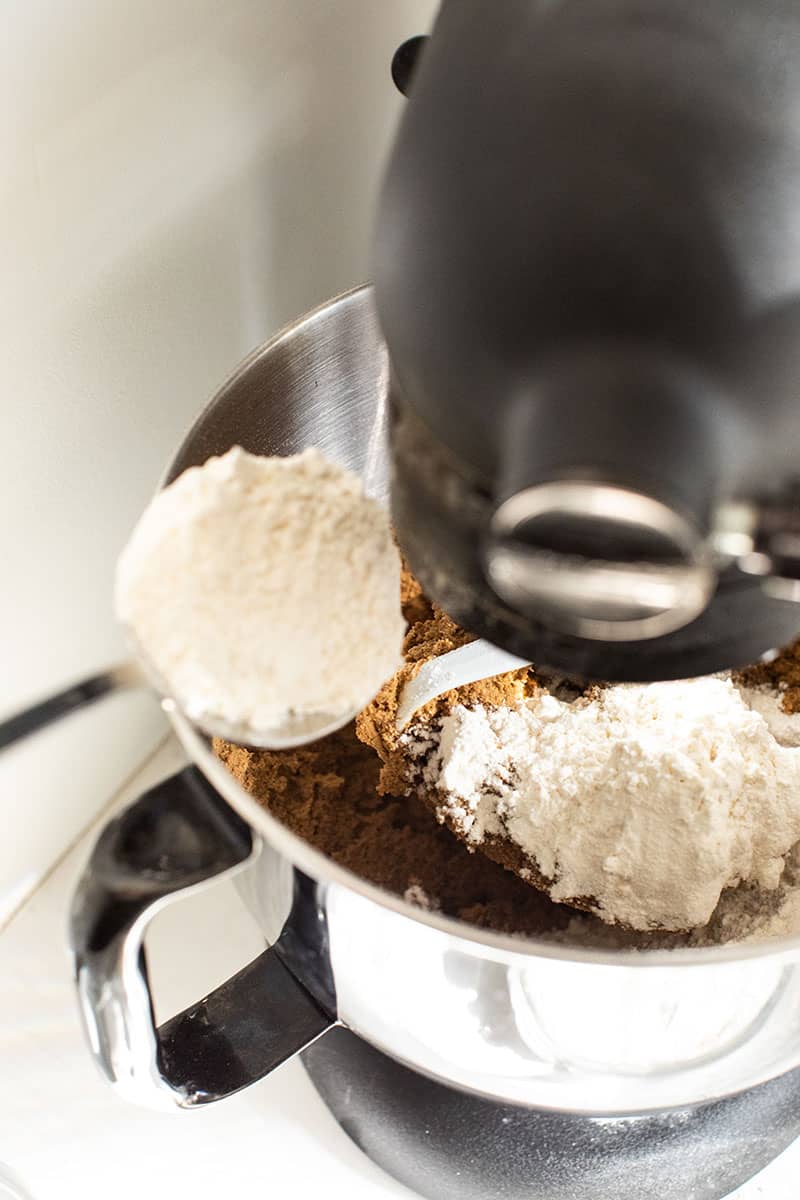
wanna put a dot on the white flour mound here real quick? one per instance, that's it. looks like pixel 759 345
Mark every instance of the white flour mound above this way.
pixel 649 800
pixel 261 587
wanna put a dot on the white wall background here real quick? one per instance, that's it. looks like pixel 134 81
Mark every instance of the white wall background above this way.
pixel 179 178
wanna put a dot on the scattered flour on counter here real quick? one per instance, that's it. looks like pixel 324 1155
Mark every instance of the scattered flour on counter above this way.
pixel 647 800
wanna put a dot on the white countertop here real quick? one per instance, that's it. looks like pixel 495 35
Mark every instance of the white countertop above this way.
pixel 66 1134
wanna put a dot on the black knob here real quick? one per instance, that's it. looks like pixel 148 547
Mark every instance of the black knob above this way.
pixel 405 62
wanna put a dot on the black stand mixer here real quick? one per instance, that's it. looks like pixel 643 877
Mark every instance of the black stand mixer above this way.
pixel 448 1145
pixel 586 269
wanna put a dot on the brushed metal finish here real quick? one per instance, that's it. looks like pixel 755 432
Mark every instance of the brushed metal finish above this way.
pixel 513 1019
pixel 590 595
pixel 181 836
pixel 509 1018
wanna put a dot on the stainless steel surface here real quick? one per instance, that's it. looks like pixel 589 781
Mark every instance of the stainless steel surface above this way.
pixel 294 730
pixel 514 1019
pixel 466 664
pixel 173 839
pixel 181 836
pixel 582 592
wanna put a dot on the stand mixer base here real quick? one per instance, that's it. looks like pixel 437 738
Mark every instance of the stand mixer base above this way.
pixel 447 1145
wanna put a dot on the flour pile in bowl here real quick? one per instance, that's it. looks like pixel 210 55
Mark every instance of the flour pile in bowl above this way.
pixel 641 803
pixel 668 813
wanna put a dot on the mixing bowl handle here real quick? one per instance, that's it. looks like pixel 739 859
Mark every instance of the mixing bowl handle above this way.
pixel 178 836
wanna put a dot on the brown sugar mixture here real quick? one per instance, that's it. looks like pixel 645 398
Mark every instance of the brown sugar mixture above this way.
pixel 781 673
pixel 346 795
pixel 337 794
pixel 328 795
pixel 428 638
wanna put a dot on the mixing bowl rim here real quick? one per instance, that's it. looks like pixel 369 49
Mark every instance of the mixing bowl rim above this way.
pixel 314 863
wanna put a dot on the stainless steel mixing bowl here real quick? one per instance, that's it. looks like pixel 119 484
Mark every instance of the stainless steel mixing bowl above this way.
pixel 525 1023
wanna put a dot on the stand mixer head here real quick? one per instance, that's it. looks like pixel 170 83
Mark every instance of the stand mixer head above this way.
pixel 587 259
